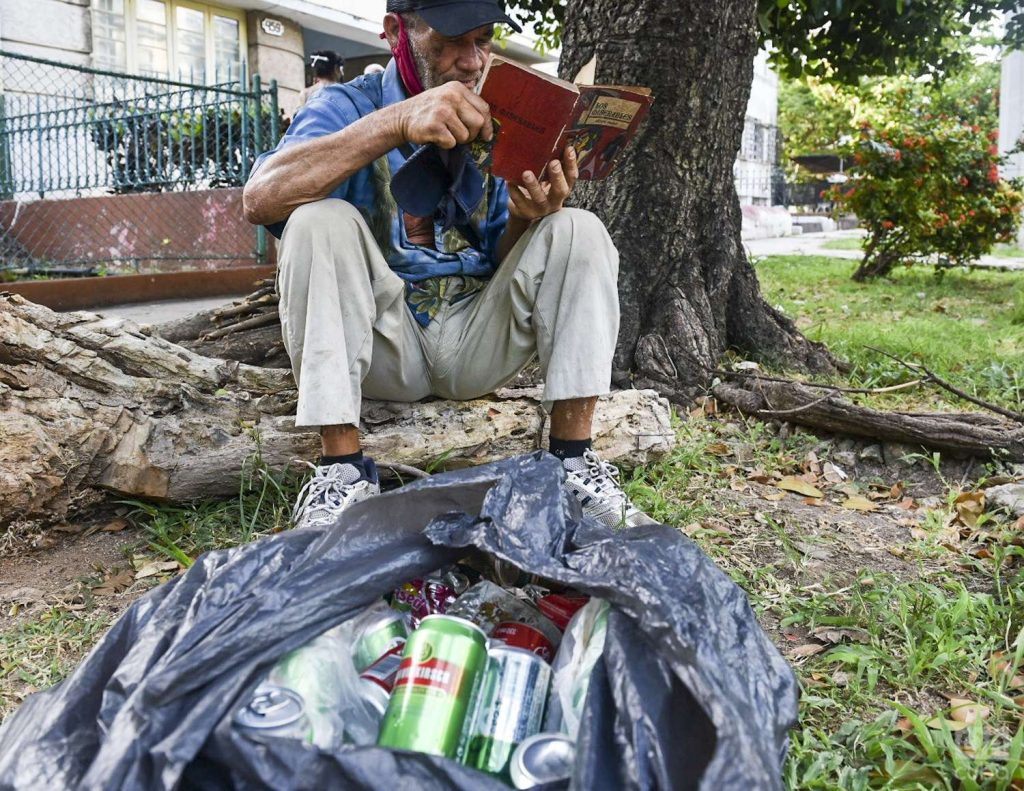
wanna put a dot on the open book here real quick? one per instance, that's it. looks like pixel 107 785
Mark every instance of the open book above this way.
pixel 537 116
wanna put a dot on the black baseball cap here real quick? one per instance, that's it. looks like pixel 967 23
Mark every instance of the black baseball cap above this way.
pixel 455 17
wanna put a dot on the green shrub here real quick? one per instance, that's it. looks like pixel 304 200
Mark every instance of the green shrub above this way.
pixel 928 190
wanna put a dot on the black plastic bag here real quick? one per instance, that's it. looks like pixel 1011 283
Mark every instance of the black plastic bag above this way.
pixel 689 691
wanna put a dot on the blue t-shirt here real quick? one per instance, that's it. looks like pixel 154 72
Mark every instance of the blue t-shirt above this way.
pixel 336 106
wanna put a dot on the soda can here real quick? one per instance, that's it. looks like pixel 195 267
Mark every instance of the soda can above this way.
pixel 521 635
pixel 378 679
pixel 274 713
pixel 542 758
pixel 380 634
pixel 441 665
pixel 510 708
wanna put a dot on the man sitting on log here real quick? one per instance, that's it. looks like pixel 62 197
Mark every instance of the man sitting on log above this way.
pixel 377 302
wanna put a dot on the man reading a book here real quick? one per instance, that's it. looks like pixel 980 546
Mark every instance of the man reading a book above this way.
pixel 377 302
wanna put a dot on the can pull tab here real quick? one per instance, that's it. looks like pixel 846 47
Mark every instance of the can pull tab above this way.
pixel 268 703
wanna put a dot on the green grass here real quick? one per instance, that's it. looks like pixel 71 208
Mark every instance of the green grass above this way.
pixel 855 243
pixel 182 533
pixel 848 243
pixel 1008 251
pixel 41 650
pixel 967 327
pixel 873 713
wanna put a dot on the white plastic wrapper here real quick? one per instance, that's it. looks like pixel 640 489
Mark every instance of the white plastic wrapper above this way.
pixel 324 674
pixel 581 647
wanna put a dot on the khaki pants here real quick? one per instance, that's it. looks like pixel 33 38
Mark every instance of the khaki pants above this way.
pixel 349 332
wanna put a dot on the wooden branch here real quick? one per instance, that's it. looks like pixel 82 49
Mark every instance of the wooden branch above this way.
pixel 249 324
pixel 835 388
pixel 934 377
pixel 970 433
pixel 93 403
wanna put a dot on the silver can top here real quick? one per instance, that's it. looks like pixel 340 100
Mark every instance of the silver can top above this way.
pixel 271 707
pixel 542 758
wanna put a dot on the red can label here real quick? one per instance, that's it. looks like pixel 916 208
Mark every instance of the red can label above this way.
pixel 384 671
pixel 560 608
pixel 519 635
pixel 433 674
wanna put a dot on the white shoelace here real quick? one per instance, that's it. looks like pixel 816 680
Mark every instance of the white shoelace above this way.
pixel 325 492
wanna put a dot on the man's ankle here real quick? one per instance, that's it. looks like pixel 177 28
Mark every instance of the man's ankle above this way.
pixel 569 448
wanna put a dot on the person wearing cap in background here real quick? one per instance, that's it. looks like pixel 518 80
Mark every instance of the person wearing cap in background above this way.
pixel 376 302
pixel 328 68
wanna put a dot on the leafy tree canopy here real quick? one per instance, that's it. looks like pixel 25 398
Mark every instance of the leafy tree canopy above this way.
pixel 844 40
pixel 816 115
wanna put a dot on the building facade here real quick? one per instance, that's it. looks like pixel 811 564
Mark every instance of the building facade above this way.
pixel 757 172
pixel 1011 116
pixel 207 43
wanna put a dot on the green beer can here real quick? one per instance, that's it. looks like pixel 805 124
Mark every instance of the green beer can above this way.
pixel 509 708
pixel 434 686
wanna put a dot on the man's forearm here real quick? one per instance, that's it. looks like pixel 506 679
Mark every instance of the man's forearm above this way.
pixel 310 171
pixel 515 228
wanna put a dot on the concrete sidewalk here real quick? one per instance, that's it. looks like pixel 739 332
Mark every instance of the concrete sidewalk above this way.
pixel 164 310
pixel 813 244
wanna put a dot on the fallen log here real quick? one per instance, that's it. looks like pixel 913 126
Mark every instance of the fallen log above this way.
pixel 962 433
pixel 88 403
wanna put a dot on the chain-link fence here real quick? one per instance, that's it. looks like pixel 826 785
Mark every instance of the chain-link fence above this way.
pixel 103 172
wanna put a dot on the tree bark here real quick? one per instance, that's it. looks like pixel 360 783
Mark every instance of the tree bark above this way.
pixel 91 403
pixel 686 288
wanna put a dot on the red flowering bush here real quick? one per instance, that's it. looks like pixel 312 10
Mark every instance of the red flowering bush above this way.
pixel 928 193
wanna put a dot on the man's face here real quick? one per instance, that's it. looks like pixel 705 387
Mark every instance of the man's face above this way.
pixel 440 59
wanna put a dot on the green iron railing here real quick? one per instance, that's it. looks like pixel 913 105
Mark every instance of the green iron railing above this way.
pixel 69 131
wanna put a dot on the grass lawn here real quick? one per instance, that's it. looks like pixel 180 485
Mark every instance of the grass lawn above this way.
pixel 846 243
pixel 968 327
pixel 854 243
pixel 904 623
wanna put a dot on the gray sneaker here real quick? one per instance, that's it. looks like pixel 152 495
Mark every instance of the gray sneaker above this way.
pixel 331 490
pixel 595 484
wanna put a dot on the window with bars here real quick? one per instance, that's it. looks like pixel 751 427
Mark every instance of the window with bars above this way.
pixel 186 41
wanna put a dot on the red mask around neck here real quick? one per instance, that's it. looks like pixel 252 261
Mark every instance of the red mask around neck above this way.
pixel 405 61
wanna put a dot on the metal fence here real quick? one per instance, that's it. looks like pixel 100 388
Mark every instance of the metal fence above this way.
pixel 102 172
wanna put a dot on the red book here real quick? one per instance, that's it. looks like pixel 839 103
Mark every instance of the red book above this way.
pixel 537 116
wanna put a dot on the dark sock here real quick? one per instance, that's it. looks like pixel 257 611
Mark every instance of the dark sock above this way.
pixel 349 458
pixel 568 448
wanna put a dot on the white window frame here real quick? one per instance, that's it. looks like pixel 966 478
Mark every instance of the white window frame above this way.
pixel 209 12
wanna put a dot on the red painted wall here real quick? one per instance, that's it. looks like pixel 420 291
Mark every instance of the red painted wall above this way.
pixel 162 232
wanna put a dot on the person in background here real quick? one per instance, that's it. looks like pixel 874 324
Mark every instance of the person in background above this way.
pixel 328 68
pixel 373 68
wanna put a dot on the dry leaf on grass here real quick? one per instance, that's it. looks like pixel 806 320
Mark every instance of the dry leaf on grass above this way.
pixel 1000 669
pixel 966 711
pixel 718 449
pixel 774 497
pixel 969 506
pixel 859 503
pixel 114 584
pixel 806 650
pixel 793 484
pixel 812 551
pixel 156 567
pixel 115 525
pixel 833 634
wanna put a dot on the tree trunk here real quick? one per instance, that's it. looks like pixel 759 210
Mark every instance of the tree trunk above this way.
pixel 686 289
pixel 90 403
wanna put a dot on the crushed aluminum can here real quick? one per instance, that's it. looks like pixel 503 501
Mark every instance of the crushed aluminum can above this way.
pixel 542 758
pixel 274 712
